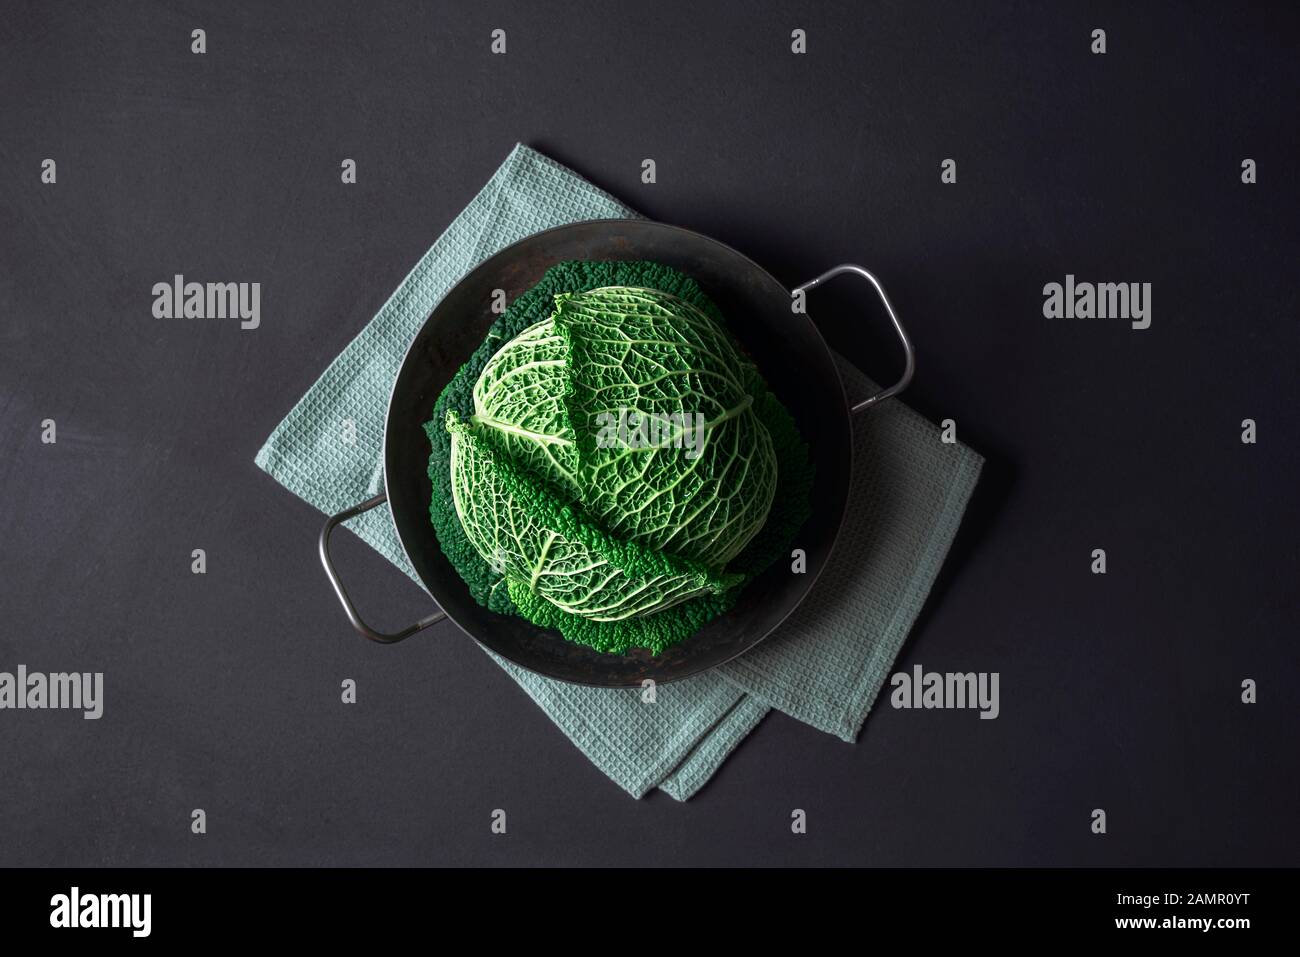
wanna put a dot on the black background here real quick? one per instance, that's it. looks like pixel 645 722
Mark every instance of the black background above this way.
pixel 222 691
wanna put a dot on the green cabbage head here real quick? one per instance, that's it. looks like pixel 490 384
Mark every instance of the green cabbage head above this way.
pixel 613 463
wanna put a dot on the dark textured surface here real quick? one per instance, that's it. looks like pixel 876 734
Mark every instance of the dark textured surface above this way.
pixel 222 691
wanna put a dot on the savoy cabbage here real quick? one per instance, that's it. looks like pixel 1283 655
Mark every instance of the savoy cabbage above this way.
pixel 561 486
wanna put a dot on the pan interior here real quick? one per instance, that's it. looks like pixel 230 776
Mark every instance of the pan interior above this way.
pixel 788 350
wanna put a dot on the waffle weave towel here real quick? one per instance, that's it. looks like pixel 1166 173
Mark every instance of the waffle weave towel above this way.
pixel 827 662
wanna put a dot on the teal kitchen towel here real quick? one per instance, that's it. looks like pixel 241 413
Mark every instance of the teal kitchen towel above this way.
pixel 827 662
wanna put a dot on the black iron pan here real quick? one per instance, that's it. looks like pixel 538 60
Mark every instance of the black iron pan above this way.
pixel 782 340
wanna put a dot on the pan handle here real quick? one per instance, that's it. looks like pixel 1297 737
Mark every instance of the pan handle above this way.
pixel 339 590
pixel 908 353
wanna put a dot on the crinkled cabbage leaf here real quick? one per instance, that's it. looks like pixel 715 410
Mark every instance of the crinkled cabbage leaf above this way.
pixel 613 463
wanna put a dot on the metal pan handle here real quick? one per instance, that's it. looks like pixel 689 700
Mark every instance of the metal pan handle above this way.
pixel 908 353
pixel 361 627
